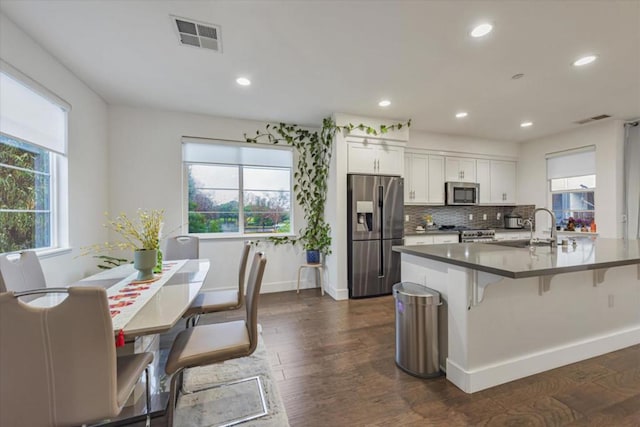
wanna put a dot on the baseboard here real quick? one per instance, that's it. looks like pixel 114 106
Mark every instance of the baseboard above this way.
pixel 534 363
pixel 272 287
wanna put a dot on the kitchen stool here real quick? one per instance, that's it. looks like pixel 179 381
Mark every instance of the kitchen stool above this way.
pixel 319 267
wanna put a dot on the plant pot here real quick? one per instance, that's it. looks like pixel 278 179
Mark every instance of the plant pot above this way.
pixel 313 256
pixel 145 260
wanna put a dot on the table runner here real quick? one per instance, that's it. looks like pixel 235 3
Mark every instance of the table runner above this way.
pixel 128 296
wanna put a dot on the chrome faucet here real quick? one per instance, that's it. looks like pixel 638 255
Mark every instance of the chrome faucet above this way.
pixel 529 222
pixel 554 233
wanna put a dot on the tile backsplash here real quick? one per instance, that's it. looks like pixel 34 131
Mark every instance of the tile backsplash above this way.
pixel 459 215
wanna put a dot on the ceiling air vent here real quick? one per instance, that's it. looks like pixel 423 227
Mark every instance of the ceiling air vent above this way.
pixel 592 119
pixel 198 34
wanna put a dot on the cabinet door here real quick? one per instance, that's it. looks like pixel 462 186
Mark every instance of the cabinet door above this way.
pixel 419 172
pixel 503 182
pixel 446 238
pixel 361 157
pixel 452 169
pixel 390 159
pixel 483 177
pixel 408 181
pixel 460 169
pixel 418 240
pixel 435 180
pixel 468 169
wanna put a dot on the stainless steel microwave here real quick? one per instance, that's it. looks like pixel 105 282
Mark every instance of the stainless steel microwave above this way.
pixel 462 193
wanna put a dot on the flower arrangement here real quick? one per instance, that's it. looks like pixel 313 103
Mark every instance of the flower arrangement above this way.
pixel 138 234
pixel 143 233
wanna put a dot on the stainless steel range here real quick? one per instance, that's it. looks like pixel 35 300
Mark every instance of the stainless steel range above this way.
pixel 468 235
pixel 479 235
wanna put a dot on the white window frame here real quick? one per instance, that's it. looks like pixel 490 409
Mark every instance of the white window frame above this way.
pixel 240 233
pixel 573 190
pixel 58 168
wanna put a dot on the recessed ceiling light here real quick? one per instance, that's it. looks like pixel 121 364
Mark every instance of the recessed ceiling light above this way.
pixel 481 30
pixel 384 103
pixel 525 124
pixel 584 60
pixel 462 114
pixel 243 81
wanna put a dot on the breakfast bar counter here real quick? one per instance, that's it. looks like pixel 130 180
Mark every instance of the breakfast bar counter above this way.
pixel 511 311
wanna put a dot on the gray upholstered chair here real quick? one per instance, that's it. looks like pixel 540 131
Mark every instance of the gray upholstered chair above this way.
pixel 214 343
pixel 22 274
pixel 58 365
pixel 182 247
pixel 212 301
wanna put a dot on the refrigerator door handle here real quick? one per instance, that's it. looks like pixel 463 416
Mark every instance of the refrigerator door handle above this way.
pixel 380 212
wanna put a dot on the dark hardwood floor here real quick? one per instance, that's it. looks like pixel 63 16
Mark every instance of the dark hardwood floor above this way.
pixel 335 365
pixel 334 361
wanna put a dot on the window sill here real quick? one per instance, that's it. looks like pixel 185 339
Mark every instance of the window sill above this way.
pixel 43 253
pixel 239 236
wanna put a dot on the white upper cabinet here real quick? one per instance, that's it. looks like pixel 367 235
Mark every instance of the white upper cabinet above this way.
pixel 460 169
pixel 375 158
pixel 497 179
pixel 416 178
pixel 423 179
pixel 436 180
pixel 503 182
pixel 483 177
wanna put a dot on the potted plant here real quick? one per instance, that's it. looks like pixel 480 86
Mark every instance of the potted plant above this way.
pixel 311 176
pixel 141 235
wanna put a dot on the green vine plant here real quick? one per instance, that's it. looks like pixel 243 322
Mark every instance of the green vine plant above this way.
pixel 312 173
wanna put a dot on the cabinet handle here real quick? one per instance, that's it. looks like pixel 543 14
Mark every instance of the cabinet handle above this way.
pixel 462 174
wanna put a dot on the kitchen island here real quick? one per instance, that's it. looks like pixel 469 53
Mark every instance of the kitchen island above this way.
pixel 512 311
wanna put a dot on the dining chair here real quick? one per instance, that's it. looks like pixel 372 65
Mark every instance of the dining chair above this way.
pixel 22 274
pixel 182 247
pixel 215 300
pixel 58 371
pixel 217 342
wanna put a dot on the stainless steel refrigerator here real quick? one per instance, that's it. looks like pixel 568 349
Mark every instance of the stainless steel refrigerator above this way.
pixel 375 223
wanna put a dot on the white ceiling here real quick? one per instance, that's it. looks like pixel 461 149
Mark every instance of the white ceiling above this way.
pixel 307 59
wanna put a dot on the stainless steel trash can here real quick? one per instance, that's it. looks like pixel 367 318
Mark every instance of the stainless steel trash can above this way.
pixel 417 329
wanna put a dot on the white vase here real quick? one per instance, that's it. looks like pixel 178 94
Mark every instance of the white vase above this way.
pixel 144 260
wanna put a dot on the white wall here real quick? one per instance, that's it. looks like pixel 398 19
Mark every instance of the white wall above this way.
pixel 87 148
pixel 145 170
pixel 608 140
pixel 462 144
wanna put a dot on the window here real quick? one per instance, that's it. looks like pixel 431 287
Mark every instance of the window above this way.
pixel 237 188
pixel 573 197
pixel 32 153
pixel 572 184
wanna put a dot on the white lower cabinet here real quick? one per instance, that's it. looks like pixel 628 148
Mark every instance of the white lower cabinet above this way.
pixel 430 239
pixel 513 235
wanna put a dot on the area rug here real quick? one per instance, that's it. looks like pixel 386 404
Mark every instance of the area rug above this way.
pixel 219 405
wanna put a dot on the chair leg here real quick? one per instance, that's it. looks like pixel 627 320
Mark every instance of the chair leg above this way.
pixel 263 401
pixel 320 272
pixel 173 396
pixel 146 375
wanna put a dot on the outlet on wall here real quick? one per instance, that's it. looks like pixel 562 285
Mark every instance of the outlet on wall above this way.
pixel 406 218
pixel 610 301
pixel 498 216
pixel 470 217
pixel 484 217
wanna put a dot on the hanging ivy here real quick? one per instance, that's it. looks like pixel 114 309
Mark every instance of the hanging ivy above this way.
pixel 312 173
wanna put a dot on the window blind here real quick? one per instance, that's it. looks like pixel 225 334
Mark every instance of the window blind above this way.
pixel 27 115
pixel 577 162
pixel 196 150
